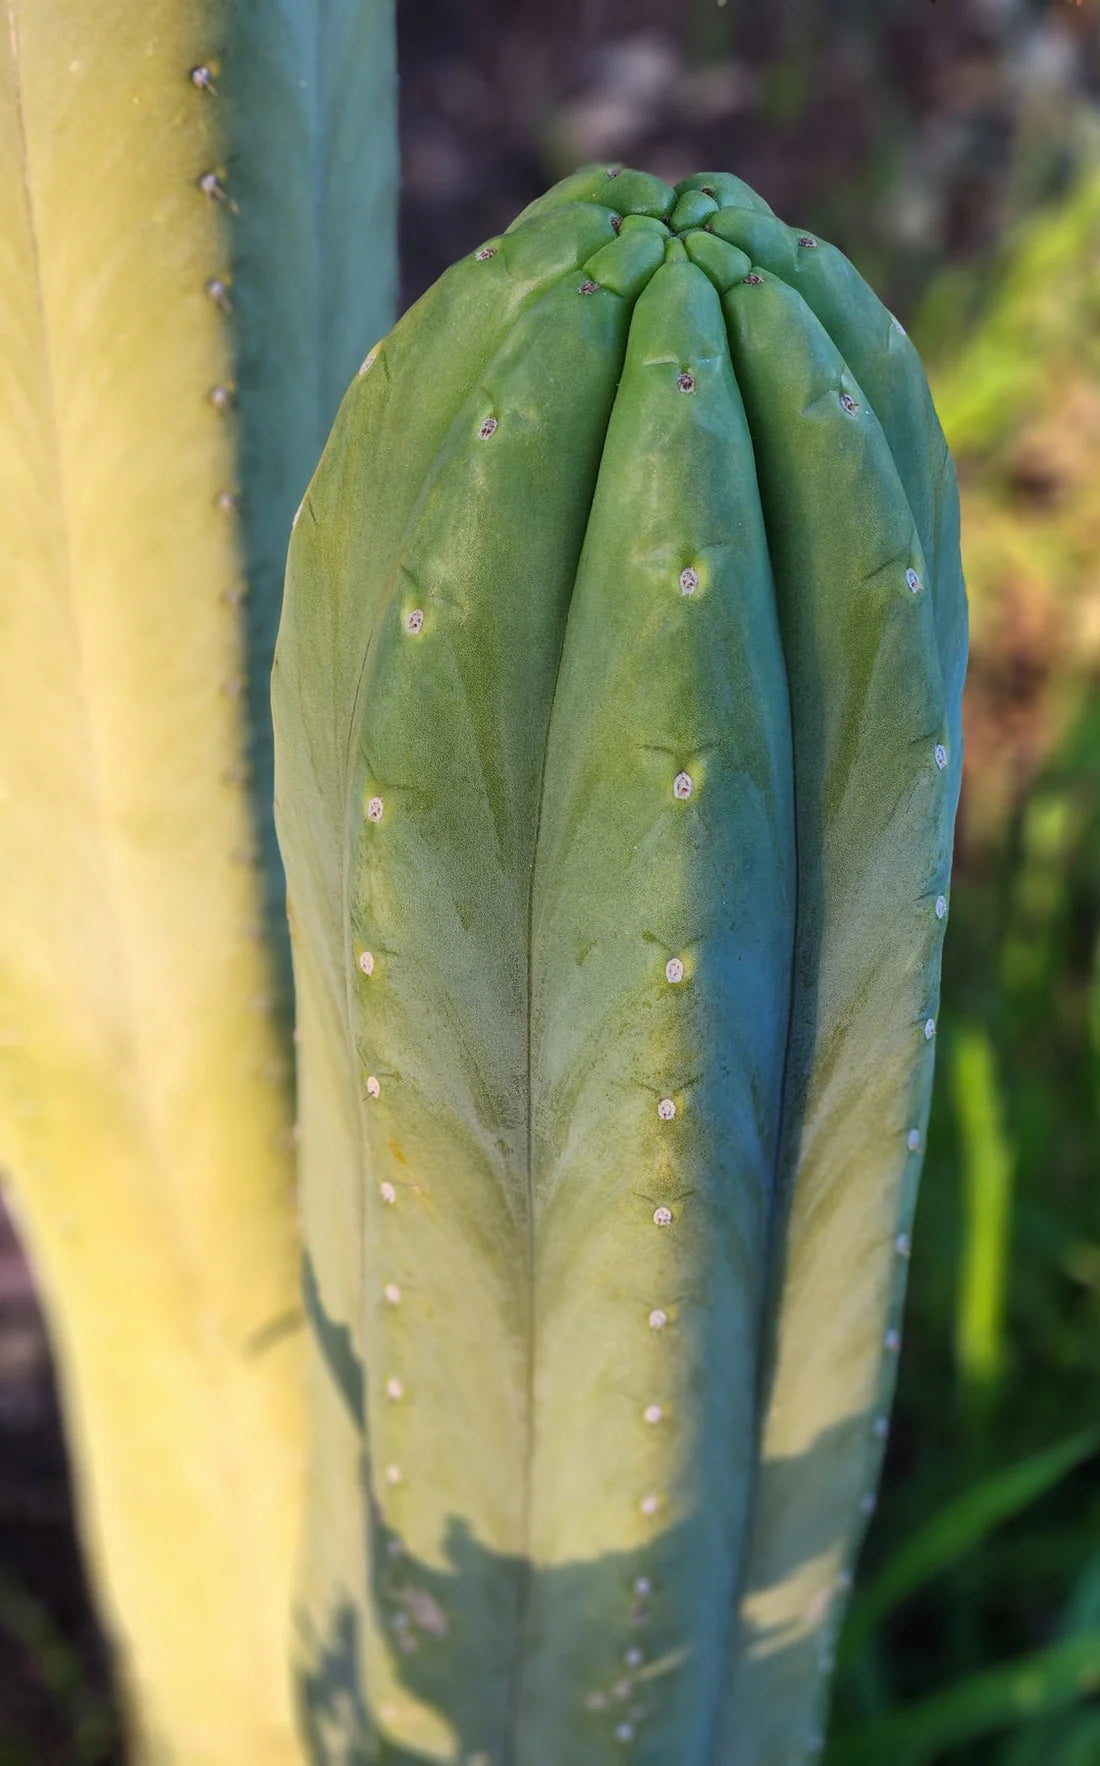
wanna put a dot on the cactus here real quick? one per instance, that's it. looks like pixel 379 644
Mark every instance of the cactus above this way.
pixel 197 231
pixel 617 719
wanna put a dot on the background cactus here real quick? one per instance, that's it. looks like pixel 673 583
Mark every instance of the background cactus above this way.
pixel 196 232
pixel 618 752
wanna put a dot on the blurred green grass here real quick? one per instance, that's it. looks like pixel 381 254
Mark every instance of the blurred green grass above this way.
pixel 85 1709
pixel 974 1635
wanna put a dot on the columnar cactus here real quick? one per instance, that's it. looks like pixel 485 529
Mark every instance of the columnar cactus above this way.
pixel 617 703
pixel 196 245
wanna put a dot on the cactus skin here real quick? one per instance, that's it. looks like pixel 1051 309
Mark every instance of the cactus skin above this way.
pixel 637 642
pixel 145 1124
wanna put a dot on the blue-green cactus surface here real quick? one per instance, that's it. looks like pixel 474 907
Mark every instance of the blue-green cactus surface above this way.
pixel 617 702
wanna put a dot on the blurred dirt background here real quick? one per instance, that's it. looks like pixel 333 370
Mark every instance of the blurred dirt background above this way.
pixel 952 148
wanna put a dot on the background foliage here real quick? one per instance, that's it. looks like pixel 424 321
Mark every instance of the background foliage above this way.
pixel 954 153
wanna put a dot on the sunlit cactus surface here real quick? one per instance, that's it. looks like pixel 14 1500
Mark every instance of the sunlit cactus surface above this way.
pixel 197 210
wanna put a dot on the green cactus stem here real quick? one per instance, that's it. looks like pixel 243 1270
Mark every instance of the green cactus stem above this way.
pixel 196 221
pixel 617 757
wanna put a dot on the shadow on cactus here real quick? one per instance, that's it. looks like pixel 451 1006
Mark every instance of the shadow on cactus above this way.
pixel 617 712
pixel 428 1662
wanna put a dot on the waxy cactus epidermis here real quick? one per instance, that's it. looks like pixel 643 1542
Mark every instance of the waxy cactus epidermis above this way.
pixel 196 246
pixel 616 778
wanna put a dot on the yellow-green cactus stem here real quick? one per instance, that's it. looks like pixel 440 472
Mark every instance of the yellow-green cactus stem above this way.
pixel 617 758
pixel 196 207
